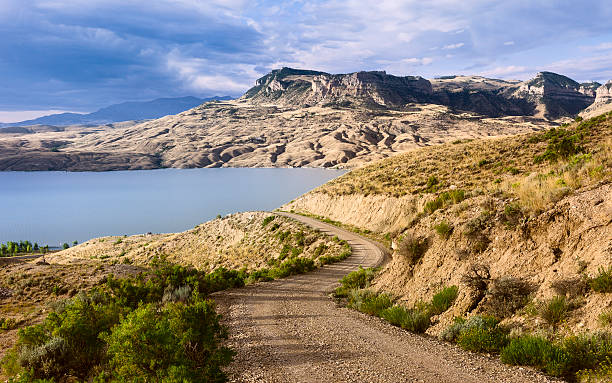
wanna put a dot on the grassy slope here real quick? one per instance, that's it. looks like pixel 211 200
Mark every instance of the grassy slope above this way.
pixel 469 165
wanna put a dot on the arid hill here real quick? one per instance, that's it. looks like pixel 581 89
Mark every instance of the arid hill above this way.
pixel 298 118
pixel 512 221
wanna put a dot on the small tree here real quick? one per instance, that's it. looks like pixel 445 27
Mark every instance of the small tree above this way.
pixel 65 246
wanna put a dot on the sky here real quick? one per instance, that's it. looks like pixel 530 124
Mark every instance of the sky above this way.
pixel 80 55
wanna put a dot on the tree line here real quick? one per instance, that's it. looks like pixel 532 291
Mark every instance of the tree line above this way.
pixel 22 247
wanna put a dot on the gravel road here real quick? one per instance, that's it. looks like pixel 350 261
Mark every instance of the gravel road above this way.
pixel 290 330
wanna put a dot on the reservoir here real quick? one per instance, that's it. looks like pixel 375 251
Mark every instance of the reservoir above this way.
pixel 56 207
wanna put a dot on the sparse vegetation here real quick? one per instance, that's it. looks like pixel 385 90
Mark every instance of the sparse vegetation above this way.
pixel 572 357
pixel 444 199
pixel 605 318
pixel 443 300
pixel 267 220
pixel 359 279
pixel 413 320
pixel 602 283
pixel 477 333
pixel 555 310
pixel 506 295
pixel 412 248
pixel 444 229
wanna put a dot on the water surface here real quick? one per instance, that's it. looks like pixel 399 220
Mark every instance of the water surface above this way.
pixel 56 207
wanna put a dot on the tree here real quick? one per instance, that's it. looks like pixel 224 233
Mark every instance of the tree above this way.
pixel 74 243
pixel 65 246
pixel 36 248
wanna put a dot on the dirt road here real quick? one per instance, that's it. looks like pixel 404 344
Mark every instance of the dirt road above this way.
pixel 290 330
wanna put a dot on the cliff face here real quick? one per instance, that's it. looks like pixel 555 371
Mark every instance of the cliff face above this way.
pixel 604 93
pixel 291 87
pixel 554 95
pixel 548 95
pixel 603 101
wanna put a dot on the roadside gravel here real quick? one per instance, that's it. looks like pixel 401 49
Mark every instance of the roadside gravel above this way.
pixel 290 330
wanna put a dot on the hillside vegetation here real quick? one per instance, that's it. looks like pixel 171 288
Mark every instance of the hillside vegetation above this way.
pixel 111 308
pixel 250 240
pixel 521 225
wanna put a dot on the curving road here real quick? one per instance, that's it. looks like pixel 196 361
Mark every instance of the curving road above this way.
pixel 290 330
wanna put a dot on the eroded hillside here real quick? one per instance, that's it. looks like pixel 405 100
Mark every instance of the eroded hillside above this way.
pixel 533 210
pixel 297 118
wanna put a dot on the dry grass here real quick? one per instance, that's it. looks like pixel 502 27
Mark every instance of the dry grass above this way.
pixel 539 189
pixel 503 165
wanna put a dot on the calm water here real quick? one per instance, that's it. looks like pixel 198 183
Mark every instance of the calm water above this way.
pixel 56 207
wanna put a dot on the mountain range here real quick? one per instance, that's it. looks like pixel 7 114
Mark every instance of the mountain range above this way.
pixel 303 118
pixel 126 111
pixel 548 95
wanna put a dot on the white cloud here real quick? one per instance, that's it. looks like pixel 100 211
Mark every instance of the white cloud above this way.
pixel 508 43
pixel 597 48
pixel 201 75
pixel 510 71
pixel 453 46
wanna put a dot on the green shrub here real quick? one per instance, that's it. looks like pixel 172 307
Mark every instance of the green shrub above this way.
pixel 431 206
pixel 261 275
pixel 274 227
pixel 320 250
pixel 444 229
pixel 588 351
pixel 292 266
pixel 7 323
pixel 555 310
pixel 359 279
pixel 67 342
pixel 413 320
pixel 327 259
pixel 177 343
pixel 576 354
pixel 487 337
pixel 267 220
pixel 602 283
pixel 443 300
pixel 477 334
pixel 605 318
pixel 562 144
pixel 512 214
pixel 536 352
pixel 369 302
pixel 444 199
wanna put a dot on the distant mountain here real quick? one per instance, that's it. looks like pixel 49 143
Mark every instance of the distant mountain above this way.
pixel 126 111
pixel 548 95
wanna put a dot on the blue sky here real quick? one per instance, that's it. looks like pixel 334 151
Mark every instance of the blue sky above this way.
pixel 80 55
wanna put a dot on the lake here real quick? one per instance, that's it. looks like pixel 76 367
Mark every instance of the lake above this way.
pixel 56 207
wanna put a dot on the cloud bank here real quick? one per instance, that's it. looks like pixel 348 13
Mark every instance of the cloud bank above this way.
pixel 84 54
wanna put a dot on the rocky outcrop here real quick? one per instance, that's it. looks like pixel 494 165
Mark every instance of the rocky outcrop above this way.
pixel 589 88
pixel 554 95
pixel 548 95
pixel 604 93
pixel 293 87
pixel 482 95
pixel 603 101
